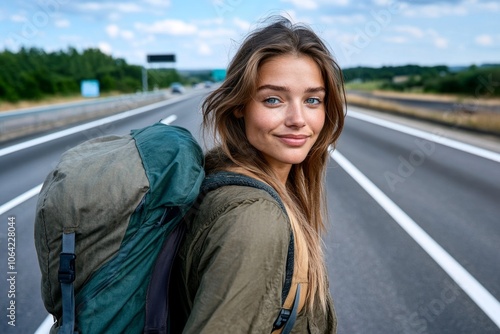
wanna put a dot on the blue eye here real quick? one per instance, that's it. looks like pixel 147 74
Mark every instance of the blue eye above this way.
pixel 272 100
pixel 313 100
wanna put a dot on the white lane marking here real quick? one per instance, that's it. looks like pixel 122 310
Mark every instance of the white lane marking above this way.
pixel 83 127
pixel 46 325
pixel 169 119
pixel 462 277
pixel 428 136
pixel 44 328
pixel 20 199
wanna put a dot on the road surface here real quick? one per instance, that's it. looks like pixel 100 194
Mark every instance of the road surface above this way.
pixel 414 233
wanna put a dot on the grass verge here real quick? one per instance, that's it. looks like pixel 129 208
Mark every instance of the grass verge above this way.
pixel 487 122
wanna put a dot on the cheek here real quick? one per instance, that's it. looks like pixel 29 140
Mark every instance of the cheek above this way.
pixel 255 128
pixel 317 121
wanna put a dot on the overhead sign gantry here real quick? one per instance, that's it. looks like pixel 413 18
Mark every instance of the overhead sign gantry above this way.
pixel 155 58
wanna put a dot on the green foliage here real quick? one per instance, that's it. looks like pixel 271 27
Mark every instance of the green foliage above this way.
pixel 32 73
pixel 475 81
pixel 162 78
pixel 482 81
pixel 389 72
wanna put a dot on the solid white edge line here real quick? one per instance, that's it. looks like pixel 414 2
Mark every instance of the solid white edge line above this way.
pixel 474 289
pixel 20 199
pixel 86 126
pixel 45 326
pixel 428 136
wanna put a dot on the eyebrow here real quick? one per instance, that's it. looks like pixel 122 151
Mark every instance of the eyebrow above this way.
pixel 286 89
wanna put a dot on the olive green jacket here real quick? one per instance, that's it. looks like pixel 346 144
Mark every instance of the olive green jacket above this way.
pixel 231 267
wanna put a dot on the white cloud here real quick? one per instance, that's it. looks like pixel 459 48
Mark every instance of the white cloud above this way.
pixel 204 49
pixel 396 39
pixel 109 7
pixel 209 22
pixel 341 3
pixel 112 30
pixel 105 48
pixel 439 41
pixel 410 30
pixel 315 4
pixel 382 2
pixel 294 17
pixel 435 10
pixel 158 3
pixel 132 56
pixel 490 6
pixel 140 42
pixel 127 34
pixel 242 24
pixel 214 33
pixel 484 40
pixel 413 32
pixel 127 7
pixel 168 27
pixel 18 18
pixel 71 39
pixel 343 19
pixel 304 4
pixel 62 23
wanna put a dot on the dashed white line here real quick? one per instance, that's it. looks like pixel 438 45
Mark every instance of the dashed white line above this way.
pixel 169 119
pixel 20 199
pixel 462 277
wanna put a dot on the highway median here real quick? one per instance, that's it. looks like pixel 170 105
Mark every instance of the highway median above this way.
pixel 474 115
pixel 24 122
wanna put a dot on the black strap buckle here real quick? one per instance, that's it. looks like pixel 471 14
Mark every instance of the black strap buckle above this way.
pixel 282 319
pixel 66 274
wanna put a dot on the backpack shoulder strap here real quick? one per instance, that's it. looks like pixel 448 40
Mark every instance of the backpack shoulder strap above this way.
pixel 220 179
pixel 224 178
pixel 158 295
pixel 66 278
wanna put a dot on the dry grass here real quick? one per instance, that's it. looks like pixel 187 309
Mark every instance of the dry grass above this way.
pixel 8 106
pixel 438 98
pixel 478 121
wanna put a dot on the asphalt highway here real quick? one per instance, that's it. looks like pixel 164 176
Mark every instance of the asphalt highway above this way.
pixel 414 227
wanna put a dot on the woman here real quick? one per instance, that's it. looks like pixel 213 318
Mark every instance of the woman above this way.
pixel 274 118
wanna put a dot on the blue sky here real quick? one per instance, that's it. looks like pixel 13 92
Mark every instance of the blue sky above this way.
pixel 205 33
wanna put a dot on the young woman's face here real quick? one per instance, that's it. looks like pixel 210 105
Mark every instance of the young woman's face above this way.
pixel 287 112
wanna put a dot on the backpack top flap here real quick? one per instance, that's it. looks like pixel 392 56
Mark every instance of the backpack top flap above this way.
pixel 173 162
pixel 92 191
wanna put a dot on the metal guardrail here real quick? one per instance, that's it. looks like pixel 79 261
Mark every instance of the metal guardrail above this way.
pixel 19 123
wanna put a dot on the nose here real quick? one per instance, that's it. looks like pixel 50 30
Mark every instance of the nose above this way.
pixel 295 115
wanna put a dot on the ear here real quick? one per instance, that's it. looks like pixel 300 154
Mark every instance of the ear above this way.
pixel 239 113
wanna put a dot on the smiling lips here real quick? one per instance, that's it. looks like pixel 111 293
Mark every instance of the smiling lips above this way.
pixel 293 140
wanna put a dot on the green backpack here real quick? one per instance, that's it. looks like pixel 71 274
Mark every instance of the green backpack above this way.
pixel 109 220
pixel 102 217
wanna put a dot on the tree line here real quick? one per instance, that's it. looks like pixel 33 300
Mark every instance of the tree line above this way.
pixel 477 81
pixel 32 73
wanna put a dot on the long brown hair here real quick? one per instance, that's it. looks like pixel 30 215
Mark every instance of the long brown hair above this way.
pixel 303 193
